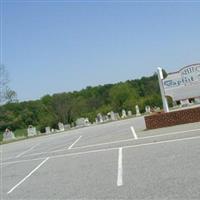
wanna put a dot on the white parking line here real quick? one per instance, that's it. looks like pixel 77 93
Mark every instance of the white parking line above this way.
pixel 24 152
pixel 140 138
pixel 114 142
pixel 134 133
pixel 45 152
pixel 101 144
pixel 74 143
pixel 120 169
pixel 11 190
pixel 81 147
pixel 108 149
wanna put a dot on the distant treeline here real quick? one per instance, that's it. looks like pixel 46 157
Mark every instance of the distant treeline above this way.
pixel 67 107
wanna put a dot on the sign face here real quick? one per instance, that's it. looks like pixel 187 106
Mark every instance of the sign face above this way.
pixel 183 84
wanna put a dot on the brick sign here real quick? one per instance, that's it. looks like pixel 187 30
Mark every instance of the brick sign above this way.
pixel 183 84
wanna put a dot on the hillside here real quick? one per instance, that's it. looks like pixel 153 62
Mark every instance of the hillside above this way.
pixel 67 107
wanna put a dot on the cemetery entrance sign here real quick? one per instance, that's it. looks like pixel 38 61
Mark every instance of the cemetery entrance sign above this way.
pixel 184 84
pixel 184 87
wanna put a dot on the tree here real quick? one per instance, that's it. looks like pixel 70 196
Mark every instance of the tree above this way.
pixel 3 83
pixel 6 94
pixel 123 96
pixel 10 96
pixel 67 107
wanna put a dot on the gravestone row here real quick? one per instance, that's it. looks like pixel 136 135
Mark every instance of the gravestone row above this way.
pixel 8 135
pixel 80 122
pixel 111 116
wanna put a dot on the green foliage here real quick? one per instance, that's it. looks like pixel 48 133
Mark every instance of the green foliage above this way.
pixel 123 96
pixel 1 136
pixel 67 107
pixel 6 94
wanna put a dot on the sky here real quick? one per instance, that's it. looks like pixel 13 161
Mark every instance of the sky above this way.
pixel 60 46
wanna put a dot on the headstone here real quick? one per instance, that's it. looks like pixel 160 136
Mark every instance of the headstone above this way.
pixel 61 126
pixel 109 115
pixel 31 131
pixel 52 130
pixel 156 109
pixel 197 100
pixel 47 130
pixel 148 109
pixel 129 113
pixel 185 102
pixel 87 122
pixel 117 117
pixel 105 118
pixel 112 116
pixel 99 118
pixel 67 126
pixel 8 135
pixel 123 114
pixel 82 122
pixel 137 110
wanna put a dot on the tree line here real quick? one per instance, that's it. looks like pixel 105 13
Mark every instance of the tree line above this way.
pixel 66 107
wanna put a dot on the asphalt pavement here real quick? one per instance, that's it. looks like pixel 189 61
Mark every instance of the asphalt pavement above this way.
pixel 107 161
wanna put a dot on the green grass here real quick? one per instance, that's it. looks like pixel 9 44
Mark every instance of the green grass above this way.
pixel 20 133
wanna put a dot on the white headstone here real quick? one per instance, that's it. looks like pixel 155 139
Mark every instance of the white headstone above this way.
pixel 197 100
pixel 87 122
pixel 129 113
pixel 105 118
pixel 124 114
pixel 31 131
pixel 137 110
pixel 185 102
pixel 82 122
pixel 67 126
pixel 112 116
pixel 148 109
pixel 61 126
pixel 99 118
pixel 8 135
pixel 156 109
pixel 117 117
pixel 47 130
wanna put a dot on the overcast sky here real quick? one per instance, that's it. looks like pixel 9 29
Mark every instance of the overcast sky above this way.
pixel 56 46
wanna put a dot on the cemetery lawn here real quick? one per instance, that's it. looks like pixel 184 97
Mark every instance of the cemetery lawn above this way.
pixel 20 133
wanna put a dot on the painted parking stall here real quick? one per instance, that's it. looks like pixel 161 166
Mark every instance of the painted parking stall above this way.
pixel 125 168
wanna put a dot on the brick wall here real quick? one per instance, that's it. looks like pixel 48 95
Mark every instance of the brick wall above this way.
pixel 160 120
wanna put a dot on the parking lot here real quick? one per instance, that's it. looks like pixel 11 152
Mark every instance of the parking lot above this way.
pixel 108 161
